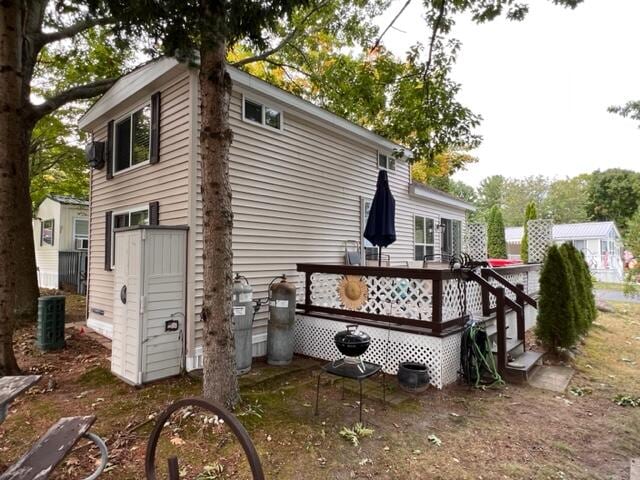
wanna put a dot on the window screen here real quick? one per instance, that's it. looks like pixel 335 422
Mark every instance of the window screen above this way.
pixel 141 136
pixel 123 145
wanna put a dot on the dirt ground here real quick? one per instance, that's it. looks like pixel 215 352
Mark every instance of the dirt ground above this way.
pixel 512 432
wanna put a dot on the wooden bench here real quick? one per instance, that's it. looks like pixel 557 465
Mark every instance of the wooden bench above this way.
pixel 39 462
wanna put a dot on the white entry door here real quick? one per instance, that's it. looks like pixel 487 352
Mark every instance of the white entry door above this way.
pixel 125 353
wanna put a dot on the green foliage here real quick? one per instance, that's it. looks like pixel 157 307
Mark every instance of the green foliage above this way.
pixel 582 299
pixel 614 194
pixel 496 243
pixel 556 324
pixel 626 400
pixel 632 234
pixel 566 200
pixel 491 193
pixel 628 110
pixel 355 434
pixel 55 165
pixel 530 214
pixel 56 161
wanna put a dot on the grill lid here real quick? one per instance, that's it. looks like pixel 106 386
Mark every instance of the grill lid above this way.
pixel 352 336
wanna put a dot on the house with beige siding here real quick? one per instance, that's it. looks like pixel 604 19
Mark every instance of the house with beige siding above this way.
pixel 302 179
pixel 61 241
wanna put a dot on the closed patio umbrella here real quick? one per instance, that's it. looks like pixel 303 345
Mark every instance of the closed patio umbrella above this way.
pixel 381 224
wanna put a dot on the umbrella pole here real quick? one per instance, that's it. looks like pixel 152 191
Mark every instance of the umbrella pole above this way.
pixel 379 256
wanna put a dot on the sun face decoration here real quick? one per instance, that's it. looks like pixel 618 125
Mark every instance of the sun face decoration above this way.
pixel 353 292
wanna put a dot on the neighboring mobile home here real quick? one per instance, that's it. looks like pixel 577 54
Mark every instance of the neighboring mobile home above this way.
pixel 301 178
pixel 600 242
pixel 61 239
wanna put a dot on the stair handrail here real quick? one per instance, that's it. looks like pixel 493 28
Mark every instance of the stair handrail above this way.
pixel 520 294
pixel 470 274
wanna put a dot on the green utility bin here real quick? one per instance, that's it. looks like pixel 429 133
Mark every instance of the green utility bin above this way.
pixel 51 322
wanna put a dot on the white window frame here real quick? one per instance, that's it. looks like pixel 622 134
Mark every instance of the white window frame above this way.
pixel 424 245
pixel 129 114
pixel 264 106
pixel 81 237
pixel 390 164
pixel 364 243
pixel 141 208
pixel 53 233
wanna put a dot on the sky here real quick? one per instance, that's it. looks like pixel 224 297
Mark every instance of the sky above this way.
pixel 543 86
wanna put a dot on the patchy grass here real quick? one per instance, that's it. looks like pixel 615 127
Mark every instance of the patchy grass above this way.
pixel 515 432
pixel 618 287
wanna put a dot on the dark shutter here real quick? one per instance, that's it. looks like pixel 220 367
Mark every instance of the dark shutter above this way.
pixel 154 213
pixel 41 232
pixel 108 218
pixel 154 156
pixel 109 158
pixel 53 232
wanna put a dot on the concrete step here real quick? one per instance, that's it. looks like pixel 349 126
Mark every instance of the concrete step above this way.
pixel 523 366
pixel 514 346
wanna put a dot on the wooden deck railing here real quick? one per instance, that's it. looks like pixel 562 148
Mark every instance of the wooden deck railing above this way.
pixel 410 298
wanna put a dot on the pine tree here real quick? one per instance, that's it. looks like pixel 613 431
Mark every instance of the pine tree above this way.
pixel 496 243
pixel 529 214
pixel 556 319
pixel 589 296
pixel 578 288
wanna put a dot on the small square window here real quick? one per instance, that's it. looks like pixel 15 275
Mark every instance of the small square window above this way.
pixel 272 118
pixel 253 111
pixel 386 161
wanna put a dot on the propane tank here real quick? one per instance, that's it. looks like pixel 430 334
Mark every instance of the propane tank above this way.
pixel 282 314
pixel 243 323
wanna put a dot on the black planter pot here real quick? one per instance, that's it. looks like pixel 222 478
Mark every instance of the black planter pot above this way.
pixel 413 377
pixel 352 342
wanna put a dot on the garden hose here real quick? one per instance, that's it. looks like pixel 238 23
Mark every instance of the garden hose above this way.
pixel 477 363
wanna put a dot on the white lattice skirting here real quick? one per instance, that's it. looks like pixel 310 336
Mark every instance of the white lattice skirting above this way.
pixel 314 338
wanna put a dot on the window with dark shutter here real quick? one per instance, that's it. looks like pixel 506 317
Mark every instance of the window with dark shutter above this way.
pixel 154 213
pixel 107 241
pixel 110 150
pixel 154 156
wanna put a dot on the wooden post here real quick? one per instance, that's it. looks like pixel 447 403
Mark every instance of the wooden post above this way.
pixel 174 471
pixel 521 316
pixel 436 305
pixel 307 291
pixel 501 325
pixel 486 305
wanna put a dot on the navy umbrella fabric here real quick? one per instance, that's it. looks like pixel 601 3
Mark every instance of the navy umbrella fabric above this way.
pixel 381 224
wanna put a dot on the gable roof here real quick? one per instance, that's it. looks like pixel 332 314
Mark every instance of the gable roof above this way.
pixel 568 231
pixel 143 78
pixel 69 200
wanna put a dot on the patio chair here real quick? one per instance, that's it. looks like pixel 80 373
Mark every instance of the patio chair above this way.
pixel 352 257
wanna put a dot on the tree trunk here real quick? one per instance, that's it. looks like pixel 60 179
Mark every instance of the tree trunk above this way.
pixel 220 381
pixel 11 137
pixel 27 291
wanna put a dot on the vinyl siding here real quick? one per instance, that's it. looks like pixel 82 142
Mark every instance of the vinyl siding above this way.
pixel 165 182
pixel 47 255
pixel 67 216
pixel 297 198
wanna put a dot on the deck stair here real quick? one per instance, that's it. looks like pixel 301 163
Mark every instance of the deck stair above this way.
pixel 518 364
